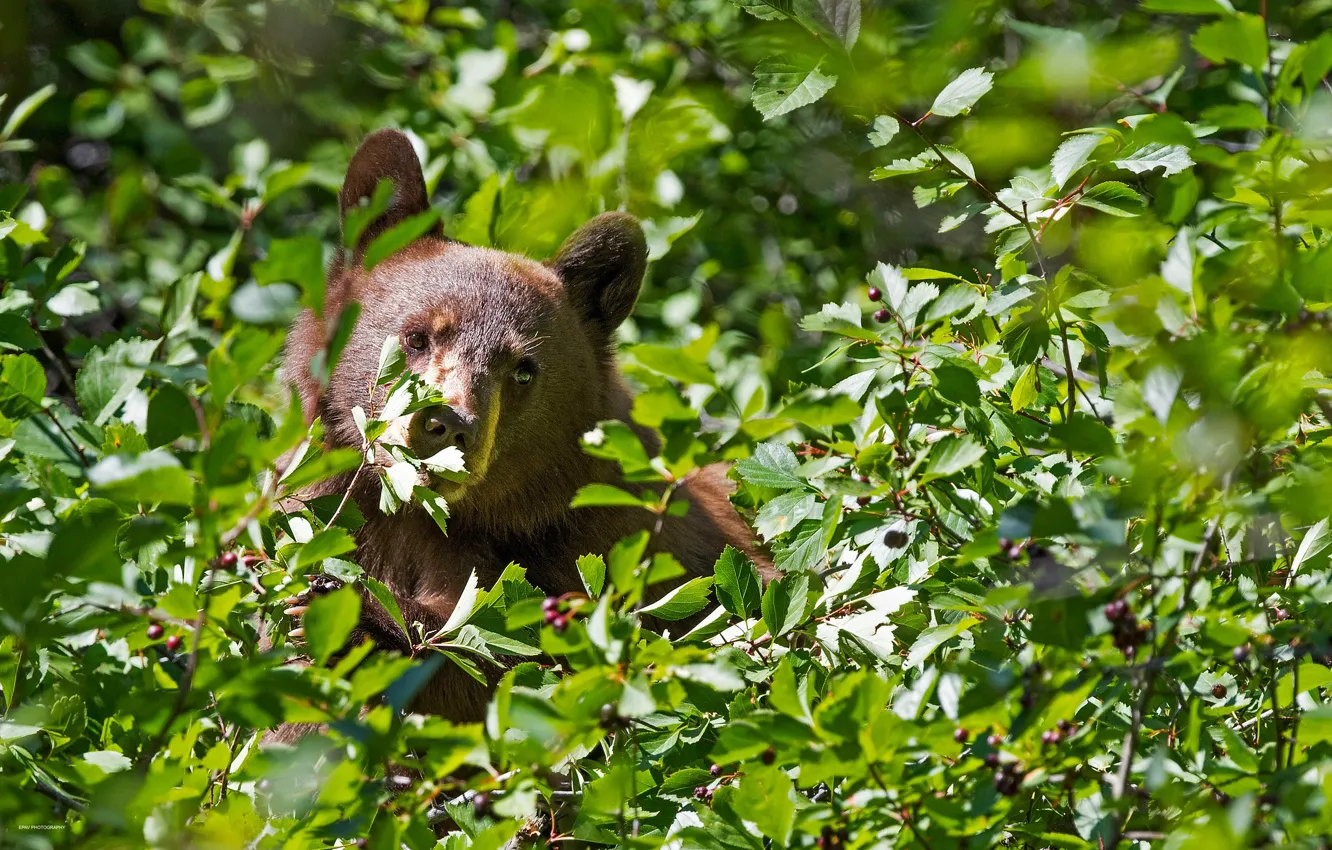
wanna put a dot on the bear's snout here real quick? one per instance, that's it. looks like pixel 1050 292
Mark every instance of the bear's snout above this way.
pixel 436 428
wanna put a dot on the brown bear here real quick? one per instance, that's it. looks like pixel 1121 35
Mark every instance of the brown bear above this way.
pixel 524 354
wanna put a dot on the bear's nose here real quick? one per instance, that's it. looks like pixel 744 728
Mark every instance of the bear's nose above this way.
pixel 447 426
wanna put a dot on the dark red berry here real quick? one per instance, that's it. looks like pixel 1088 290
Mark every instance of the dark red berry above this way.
pixel 227 560
pixel 994 741
pixel 862 500
pixel 173 643
pixel 550 603
pixel 481 804
pixel 882 316
pixel 155 631
pixel 1280 614
pixel 992 760
pixel 1129 652
pixel 701 792
pixel 874 293
pixel 769 756
pixel 844 835
pixel 960 735
pixel 896 538
pixel 715 770
pixel 559 623
pixel 1064 726
pixel 608 716
pixel 1219 691
pixel 1241 654
pixel 1115 610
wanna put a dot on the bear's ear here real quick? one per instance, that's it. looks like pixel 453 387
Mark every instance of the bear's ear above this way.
pixel 602 266
pixel 384 155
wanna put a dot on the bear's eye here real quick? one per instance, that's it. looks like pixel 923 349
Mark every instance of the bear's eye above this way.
pixel 525 372
pixel 416 341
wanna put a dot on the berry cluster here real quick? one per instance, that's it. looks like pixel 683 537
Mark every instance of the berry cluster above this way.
pixel 830 837
pixel 1063 729
pixel 155 632
pixel 881 315
pixel 1008 778
pixel 1127 632
pixel 557 613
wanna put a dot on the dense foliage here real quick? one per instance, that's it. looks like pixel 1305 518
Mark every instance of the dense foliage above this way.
pixel 1039 430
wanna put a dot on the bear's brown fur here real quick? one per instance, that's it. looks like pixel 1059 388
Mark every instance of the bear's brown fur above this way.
pixel 470 320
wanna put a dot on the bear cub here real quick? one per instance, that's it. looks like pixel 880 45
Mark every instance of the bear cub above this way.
pixel 523 352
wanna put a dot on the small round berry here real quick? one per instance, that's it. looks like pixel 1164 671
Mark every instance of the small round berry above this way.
pixel 1129 652
pixel 1219 691
pixel 769 756
pixel 701 792
pixel 1064 726
pixel 960 735
pixel 994 741
pixel 1115 610
pixel 481 804
pixel 1280 614
pixel 715 770
pixel 227 560
pixel 991 760
pixel 608 715
pixel 559 623
pixel 155 631
pixel 882 316
pixel 1241 653
pixel 862 501
pixel 875 293
pixel 550 603
pixel 173 643
pixel 896 538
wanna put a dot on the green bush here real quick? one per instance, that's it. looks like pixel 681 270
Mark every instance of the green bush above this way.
pixel 1039 431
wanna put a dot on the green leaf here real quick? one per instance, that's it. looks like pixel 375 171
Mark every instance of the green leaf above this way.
pixel 782 84
pixel 950 455
pixel 1114 198
pixel 592 568
pixel 885 127
pixel 684 601
pixel 23 111
pixel 766 797
pixel 151 477
pixel 299 261
pixel 109 377
pixel 385 598
pixel 22 386
pixel 673 362
pixel 399 236
pixel 329 622
pixel 1242 39
pixel 1071 155
pixel 1189 7
pixel 738 584
pixel 605 495
pixel 771 466
pixel 329 543
pixel 784 603
pixel 962 93
pixel 935 637
pixel 1172 158
pixel 1316 540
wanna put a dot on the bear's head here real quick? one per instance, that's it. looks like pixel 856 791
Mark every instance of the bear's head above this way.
pixel 522 351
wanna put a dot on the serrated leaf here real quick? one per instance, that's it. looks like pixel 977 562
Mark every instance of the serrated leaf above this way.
pixel 963 92
pixel 772 465
pixel 604 496
pixel 738 587
pixel 1242 39
pixel 329 622
pixel 1114 198
pixel 784 603
pixel 1071 155
pixel 684 601
pixel 885 127
pixel 1172 158
pixel 782 85
pixel 592 568
pixel 951 455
